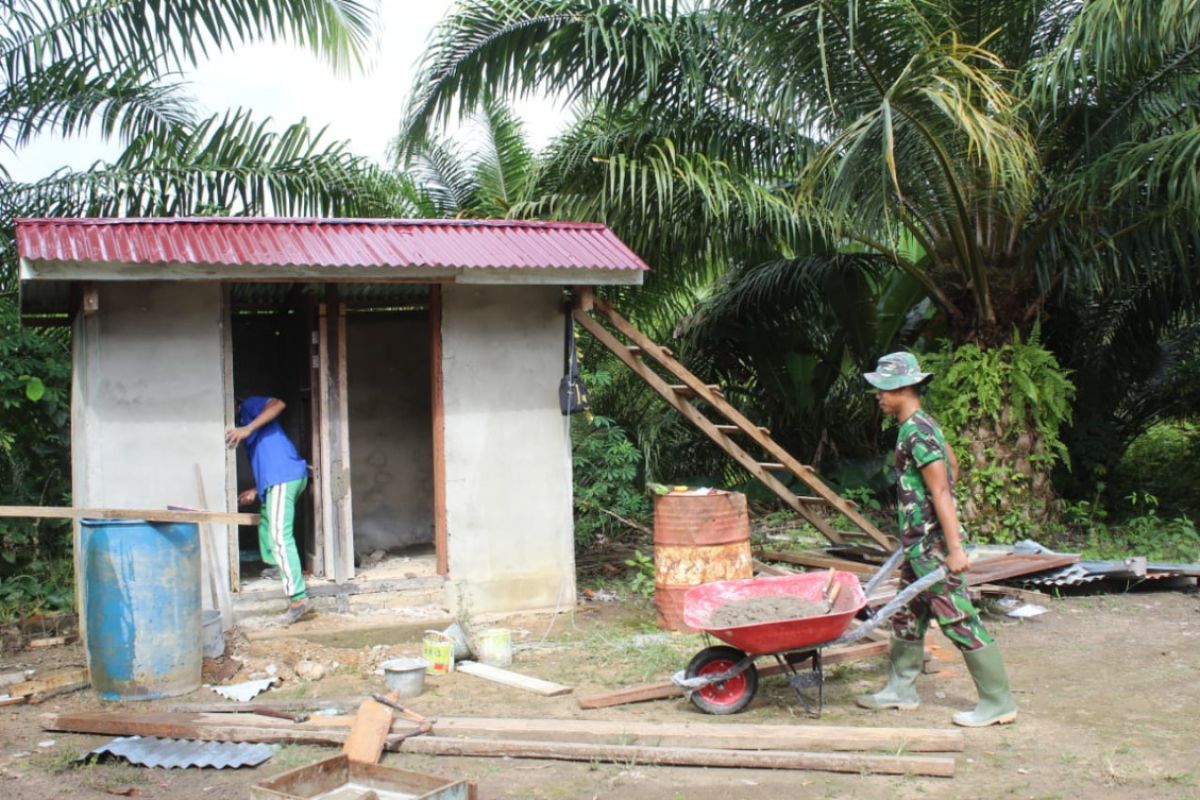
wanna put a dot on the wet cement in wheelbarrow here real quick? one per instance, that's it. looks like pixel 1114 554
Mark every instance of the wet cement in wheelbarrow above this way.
pixel 755 610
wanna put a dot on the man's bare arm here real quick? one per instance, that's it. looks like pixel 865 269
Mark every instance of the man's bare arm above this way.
pixel 938 484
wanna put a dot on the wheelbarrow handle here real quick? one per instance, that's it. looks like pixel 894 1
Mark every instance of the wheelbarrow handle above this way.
pixel 888 611
pixel 889 565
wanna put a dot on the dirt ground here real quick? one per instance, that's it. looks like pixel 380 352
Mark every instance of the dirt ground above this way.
pixel 1109 688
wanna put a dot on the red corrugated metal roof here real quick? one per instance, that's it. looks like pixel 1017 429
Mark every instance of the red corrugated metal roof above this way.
pixel 242 241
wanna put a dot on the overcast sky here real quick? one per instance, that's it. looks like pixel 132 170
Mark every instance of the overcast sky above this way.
pixel 288 83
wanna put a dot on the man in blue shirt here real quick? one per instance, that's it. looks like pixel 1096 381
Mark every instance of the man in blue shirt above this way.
pixel 280 475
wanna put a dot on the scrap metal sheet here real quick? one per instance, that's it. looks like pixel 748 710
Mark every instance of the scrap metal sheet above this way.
pixel 151 751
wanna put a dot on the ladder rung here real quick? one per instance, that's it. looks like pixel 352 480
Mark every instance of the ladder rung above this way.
pixel 773 466
pixel 637 351
pixel 738 429
pixel 812 501
pixel 687 391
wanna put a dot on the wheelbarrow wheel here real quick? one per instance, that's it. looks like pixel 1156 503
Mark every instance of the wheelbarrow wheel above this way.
pixel 729 696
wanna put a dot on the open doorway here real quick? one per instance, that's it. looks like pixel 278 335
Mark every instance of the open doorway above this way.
pixel 389 400
pixel 269 325
pixel 354 365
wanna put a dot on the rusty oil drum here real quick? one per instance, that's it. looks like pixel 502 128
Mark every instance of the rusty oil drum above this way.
pixel 698 538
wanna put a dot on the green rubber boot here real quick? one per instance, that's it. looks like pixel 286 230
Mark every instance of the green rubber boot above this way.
pixel 907 658
pixel 996 705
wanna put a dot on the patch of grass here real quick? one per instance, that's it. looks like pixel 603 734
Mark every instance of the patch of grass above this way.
pixel 297 692
pixel 114 775
pixel 58 760
pixel 1180 778
pixel 292 755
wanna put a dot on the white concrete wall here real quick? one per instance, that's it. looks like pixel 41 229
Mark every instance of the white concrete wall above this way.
pixel 148 401
pixel 510 535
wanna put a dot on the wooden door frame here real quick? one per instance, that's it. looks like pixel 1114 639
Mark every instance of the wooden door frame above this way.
pixel 438 419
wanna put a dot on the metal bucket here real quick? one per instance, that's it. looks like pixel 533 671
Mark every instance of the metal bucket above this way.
pixel 405 676
pixel 141 599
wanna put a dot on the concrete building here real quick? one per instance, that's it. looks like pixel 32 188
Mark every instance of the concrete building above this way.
pixel 419 361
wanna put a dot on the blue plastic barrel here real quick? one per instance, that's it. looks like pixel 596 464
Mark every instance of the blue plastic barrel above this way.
pixel 142 605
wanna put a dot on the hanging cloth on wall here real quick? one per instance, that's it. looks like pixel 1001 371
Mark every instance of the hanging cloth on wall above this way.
pixel 572 394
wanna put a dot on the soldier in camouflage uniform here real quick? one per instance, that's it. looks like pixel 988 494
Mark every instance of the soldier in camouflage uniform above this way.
pixel 926 469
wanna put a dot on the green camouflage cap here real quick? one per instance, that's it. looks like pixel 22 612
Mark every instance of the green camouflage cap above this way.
pixel 897 370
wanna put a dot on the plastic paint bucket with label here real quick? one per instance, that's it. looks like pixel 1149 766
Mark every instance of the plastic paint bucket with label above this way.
pixel 495 647
pixel 438 649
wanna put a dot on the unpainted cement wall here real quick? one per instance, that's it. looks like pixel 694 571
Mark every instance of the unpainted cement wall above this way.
pixel 507 450
pixel 148 400
pixel 391 437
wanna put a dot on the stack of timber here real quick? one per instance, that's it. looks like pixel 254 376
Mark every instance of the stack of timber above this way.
pixel 795 747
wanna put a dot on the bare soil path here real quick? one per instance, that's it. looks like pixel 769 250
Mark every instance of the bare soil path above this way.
pixel 1109 687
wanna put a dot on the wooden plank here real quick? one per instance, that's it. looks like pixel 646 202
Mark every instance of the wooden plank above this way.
pixel 47 686
pixel 372 724
pixel 204 727
pixel 665 689
pixel 354 587
pixel 1027 595
pixel 328 530
pixel 803 472
pixel 727 429
pixel 735 736
pixel 218 584
pixel 344 501
pixel 770 569
pixel 514 679
pixel 816 561
pixel 706 426
pixel 148 514
pixel 935 766
pixel 689 392
pixel 233 558
pixel 315 412
pixel 438 402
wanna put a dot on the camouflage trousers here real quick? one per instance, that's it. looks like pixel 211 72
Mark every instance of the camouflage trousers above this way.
pixel 946 600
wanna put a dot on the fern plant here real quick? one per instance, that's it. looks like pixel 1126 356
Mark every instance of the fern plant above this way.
pixel 1003 410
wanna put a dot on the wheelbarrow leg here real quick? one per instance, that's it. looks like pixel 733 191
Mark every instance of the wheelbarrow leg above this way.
pixel 806 679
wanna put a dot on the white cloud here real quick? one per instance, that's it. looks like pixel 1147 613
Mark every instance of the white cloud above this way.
pixel 288 83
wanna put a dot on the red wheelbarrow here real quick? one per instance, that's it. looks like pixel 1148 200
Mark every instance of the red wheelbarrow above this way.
pixel 722 679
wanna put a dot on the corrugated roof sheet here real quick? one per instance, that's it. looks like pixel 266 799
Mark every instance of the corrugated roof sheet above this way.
pixel 241 241
pixel 151 751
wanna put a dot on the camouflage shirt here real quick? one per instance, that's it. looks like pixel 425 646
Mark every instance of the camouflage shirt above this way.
pixel 919 443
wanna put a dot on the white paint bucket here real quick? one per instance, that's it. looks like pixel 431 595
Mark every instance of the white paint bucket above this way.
pixel 495 647
pixel 405 676
pixel 211 633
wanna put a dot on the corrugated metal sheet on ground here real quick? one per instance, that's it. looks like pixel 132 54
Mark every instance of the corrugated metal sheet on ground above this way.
pixel 264 241
pixel 1085 572
pixel 171 753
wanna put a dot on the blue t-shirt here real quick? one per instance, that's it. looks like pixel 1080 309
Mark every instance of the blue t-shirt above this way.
pixel 273 457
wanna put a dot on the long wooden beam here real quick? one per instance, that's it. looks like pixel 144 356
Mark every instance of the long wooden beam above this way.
pixel 148 514
pixel 733 736
pixel 935 766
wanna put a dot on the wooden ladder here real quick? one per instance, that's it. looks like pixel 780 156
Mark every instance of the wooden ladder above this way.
pixel 637 351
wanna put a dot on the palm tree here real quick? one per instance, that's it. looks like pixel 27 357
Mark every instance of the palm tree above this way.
pixel 487 172
pixel 111 66
pixel 1034 150
pixel 1019 142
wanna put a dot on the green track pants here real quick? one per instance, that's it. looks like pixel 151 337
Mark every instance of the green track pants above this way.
pixel 276 537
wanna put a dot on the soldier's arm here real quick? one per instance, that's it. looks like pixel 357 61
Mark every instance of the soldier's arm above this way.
pixel 953 462
pixel 938 484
